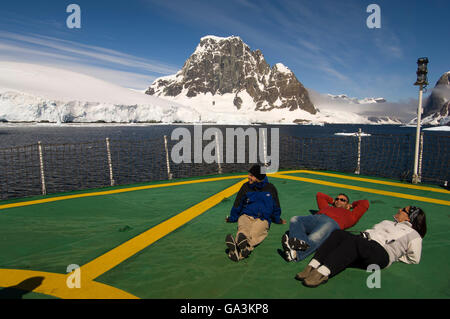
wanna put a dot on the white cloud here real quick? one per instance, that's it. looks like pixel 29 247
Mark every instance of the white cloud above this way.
pixel 389 45
pixel 117 67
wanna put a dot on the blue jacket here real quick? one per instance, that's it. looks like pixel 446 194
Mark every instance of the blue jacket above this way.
pixel 259 200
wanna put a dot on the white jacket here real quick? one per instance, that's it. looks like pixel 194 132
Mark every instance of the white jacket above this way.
pixel 400 240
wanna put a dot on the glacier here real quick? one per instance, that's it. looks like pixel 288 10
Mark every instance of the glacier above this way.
pixel 37 93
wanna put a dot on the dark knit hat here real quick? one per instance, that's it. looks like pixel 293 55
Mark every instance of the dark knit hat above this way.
pixel 255 170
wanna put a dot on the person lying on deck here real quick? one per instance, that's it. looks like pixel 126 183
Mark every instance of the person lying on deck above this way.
pixel 255 207
pixel 307 233
pixel 383 244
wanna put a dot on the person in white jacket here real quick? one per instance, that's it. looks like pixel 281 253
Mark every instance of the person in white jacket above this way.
pixel 383 244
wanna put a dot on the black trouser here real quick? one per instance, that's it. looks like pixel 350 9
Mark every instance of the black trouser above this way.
pixel 343 249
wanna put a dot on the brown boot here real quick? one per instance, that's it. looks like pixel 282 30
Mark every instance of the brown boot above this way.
pixel 315 279
pixel 305 273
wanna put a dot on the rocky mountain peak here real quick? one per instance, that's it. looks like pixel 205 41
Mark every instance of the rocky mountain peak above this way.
pixel 227 66
pixel 439 101
pixel 444 80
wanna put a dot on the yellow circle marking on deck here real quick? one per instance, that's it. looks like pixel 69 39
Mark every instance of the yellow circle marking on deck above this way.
pixel 368 180
pixel 364 189
pixel 56 285
pixel 115 191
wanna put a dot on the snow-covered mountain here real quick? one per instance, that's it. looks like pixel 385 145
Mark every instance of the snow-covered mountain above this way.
pixel 223 82
pixel 223 77
pixel 342 109
pixel 352 100
pixel 36 93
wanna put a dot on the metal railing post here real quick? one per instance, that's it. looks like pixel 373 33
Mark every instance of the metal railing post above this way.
pixel 41 167
pixel 108 150
pixel 358 165
pixel 419 169
pixel 218 154
pixel 169 174
pixel 263 131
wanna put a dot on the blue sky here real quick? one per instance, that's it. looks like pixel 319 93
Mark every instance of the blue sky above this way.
pixel 326 43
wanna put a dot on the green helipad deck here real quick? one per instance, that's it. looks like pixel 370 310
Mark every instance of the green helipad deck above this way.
pixel 166 240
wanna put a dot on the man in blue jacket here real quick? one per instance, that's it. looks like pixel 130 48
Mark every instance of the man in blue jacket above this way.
pixel 255 207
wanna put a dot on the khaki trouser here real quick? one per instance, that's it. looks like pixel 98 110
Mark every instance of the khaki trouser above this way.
pixel 254 229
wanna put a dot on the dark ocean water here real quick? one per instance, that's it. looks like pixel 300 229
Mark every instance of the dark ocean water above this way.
pixel 27 134
pixel 75 156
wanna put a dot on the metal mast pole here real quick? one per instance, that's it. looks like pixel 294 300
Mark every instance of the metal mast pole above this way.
pixel 415 177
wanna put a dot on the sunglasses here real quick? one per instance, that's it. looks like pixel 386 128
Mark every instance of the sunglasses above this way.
pixel 341 199
pixel 413 211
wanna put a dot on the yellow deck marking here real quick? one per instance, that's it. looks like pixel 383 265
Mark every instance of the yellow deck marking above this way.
pixel 364 189
pixel 109 260
pixel 56 285
pixel 361 179
pixel 116 191
pixel 131 189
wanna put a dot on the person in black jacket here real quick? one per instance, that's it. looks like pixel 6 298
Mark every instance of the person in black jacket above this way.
pixel 255 207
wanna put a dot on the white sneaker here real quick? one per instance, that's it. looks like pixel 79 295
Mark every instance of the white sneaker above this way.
pixel 297 244
pixel 231 244
pixel 290 254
